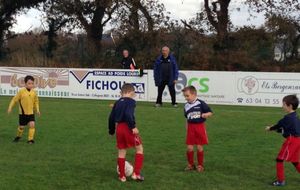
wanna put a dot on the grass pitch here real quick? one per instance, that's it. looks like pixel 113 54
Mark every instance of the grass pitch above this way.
pixel 74 151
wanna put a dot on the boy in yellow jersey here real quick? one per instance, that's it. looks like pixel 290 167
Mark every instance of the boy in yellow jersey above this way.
pixel 28 105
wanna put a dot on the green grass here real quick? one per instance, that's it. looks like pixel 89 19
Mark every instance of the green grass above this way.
pixel 73 149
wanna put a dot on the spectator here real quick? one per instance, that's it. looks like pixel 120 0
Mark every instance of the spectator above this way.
pixel 127 61
pixel 165 73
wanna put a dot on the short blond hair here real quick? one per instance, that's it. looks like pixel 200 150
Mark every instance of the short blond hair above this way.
pixel 190 89
pixel 127 88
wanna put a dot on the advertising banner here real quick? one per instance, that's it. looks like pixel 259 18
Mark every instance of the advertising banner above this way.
pixel 105 83
pixel 73 83
pixel 213 87
pixel 265 89
pixel 49 82
pixel 223 88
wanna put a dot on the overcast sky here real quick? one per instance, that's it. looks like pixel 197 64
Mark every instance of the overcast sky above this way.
pixel 180 9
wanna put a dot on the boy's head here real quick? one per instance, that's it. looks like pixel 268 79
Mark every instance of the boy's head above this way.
pixel 128 90
pixel 290 103
pixel 29 82
pixel 190 93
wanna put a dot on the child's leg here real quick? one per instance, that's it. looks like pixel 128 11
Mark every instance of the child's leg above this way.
pixel 121 162
pixel 200 155
pixel 297 166
pixel 190 155
pixel 280 170
pixel 20 131
pixel 31 131
pixel 139 159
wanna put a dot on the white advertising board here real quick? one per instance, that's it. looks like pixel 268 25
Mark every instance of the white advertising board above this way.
pixel 213 87
pixel 105 83
pixel 73 83
pixel 224 88
pixel 49 82
pixel 265 89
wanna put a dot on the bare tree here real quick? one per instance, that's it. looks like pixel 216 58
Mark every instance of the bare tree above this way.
pixel 92 15
pixel 218 16
pixel 55 21
pixel 283 18
pixel 8 10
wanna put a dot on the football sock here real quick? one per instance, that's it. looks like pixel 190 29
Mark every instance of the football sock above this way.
pixel 121 164
pixel 297 166
pixel 138 164
pixel 200 156
pixel 20 132
pixel 280 171
pixel 31 133
pixel 190 157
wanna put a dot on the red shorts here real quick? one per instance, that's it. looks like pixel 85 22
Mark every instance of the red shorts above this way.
pixel 196 134
pixel 125 137
pixel 290 150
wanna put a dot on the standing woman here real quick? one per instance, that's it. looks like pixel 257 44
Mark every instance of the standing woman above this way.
pixel 127 61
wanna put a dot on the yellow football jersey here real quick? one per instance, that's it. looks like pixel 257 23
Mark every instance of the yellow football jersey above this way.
pixel 28 101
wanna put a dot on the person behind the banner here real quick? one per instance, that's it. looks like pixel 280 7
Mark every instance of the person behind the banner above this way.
pixel 127 61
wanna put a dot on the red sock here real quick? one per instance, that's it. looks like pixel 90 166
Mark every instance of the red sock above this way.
pixel 297 166
pixel 280 171
pixel 190 157
pixel 139 158
pixel 121 164
pixel 200 156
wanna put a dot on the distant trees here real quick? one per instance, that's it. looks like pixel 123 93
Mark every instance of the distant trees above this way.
pixel 287 33
pixel 55 21
pixel 8 11
pixel 218 16
pixel 209 41
pixel 283 20
pixel 92 16
pixel 138 24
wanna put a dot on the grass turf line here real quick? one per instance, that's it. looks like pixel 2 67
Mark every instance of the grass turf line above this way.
pixel 74 151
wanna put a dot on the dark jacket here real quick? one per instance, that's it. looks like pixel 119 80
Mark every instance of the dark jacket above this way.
pixel 123 111
pixel 288 126
pixel 158 74
pixel 127 62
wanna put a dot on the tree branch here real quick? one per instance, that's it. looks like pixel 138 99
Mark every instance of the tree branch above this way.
pixel 110 13
pixel 210 17
pixel 184 22
pixel 147 15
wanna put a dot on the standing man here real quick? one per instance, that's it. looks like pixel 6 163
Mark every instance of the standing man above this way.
pixel 127 61
pixel 165 73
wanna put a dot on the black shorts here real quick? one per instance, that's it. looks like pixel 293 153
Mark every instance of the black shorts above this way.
pixel 25 119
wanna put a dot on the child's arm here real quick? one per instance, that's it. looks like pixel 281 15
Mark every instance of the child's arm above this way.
pixel 207 115
pixel 135 131
pixel 37 104
pixel 111 122
pixel 277 127
pixel 268 128
pixel 129 115
pixel 207 112
pixel 186 125
pixel 13 101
